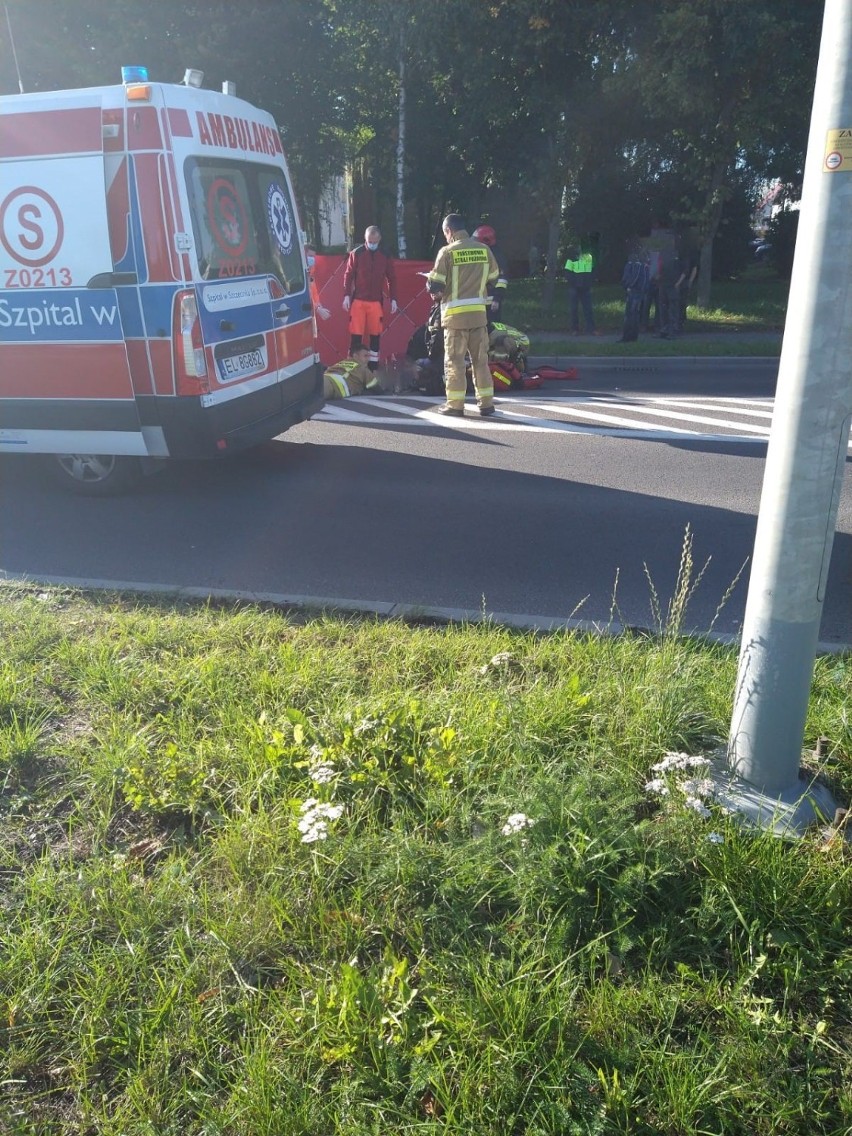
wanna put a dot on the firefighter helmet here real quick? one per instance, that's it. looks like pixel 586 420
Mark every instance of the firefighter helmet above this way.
pixel 485 234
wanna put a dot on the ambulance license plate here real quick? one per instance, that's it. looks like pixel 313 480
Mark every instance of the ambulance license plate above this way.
pixel 245 363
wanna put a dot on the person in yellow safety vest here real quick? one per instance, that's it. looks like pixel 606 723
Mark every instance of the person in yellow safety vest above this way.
pixel 579 268
pixel 350 376
pixel 464 271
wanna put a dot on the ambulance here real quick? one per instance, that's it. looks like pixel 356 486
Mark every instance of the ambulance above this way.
pixel 154 295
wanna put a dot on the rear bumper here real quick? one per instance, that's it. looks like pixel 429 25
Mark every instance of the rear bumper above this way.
pixel 191 430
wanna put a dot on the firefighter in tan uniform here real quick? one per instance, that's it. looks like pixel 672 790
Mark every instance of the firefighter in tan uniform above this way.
pixel 350 376
pixel 464 271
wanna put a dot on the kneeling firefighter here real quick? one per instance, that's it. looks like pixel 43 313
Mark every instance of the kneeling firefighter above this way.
pixel 507 359
pixel 350 376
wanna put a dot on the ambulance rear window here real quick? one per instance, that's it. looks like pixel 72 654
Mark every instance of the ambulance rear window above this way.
pixel 243 221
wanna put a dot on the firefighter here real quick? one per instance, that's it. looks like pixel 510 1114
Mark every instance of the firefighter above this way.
pixel 367 271
pixel 488 237
pixel 350 376
pixel 464 272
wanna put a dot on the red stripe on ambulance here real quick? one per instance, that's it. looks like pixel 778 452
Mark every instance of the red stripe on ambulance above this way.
pixel 65 370
pixel 118 213
pixel 293 341
pixel 34 134
pixel 143 129
pixel 179 123
pixel 162 365
pixel 152 195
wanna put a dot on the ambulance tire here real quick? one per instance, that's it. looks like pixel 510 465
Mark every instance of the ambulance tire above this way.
pixel 97 475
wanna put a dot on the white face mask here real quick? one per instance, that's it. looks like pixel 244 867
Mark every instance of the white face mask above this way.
pixel 372 245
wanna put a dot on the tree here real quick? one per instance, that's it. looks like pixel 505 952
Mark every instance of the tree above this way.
pixel 730 78
pixel 601 114
pixel 286 72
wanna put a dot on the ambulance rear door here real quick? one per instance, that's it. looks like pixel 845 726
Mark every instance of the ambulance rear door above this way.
pixel 235 301
pixel 252 288
pixel 65 379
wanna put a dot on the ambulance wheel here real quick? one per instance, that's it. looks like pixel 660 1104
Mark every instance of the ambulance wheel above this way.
pixel 97 475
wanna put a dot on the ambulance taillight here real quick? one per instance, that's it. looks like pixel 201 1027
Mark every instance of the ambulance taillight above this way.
pixel 190 360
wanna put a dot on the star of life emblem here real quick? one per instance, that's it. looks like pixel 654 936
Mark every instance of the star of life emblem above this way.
pixel 280 219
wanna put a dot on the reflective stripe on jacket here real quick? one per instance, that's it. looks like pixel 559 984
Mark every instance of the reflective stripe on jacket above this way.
pixel 349 377
pixel 464 271
pixel 502 282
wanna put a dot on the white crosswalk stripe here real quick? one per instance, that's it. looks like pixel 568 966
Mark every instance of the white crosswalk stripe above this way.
pixel 646 417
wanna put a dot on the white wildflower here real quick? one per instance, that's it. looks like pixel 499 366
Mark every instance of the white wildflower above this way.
pixel 322 772
pixel 715 838
pixel 658 786
pixel 517 822
pixel 671 761
pixel 679 761
pixel 316 816
pixel 697 787
pixel 697 806
pixel 318 832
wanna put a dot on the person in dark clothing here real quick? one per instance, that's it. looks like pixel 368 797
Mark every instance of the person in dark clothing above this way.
pixel 634 281
pixel 651 301
pixel 486 234
pixel 426 351
pixel 672 276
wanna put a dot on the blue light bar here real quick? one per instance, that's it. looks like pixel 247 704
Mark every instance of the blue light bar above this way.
pixel 134 74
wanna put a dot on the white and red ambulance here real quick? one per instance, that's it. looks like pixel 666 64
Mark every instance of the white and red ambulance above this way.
pixel 154 298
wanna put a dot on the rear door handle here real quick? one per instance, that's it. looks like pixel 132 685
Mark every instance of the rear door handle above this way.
pixel 282 313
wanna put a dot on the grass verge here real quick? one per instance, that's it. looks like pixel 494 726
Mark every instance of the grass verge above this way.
pixel 267 875
pixel 688 345
pixel 756 302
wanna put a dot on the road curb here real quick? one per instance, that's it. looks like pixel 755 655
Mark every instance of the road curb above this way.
pixel 407 613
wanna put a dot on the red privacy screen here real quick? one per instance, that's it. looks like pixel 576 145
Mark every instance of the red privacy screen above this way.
pixel 413 300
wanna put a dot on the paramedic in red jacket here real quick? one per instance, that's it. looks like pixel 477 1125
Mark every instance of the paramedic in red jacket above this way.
pixel 367 270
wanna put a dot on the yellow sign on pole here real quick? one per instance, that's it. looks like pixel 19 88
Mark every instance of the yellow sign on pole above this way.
pixel 838 151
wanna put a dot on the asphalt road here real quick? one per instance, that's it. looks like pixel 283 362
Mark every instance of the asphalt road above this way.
pixel 572 502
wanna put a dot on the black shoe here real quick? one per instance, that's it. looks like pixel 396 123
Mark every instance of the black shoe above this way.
pixel 450 411
pixel 486 410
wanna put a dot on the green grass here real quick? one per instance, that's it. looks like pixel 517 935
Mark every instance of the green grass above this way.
pixel 754 303
pixel 176 959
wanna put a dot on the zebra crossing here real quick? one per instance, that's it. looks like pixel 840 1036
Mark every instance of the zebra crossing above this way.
pixel 643 417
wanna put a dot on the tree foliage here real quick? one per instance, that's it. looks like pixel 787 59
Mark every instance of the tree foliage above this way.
pixel 592 115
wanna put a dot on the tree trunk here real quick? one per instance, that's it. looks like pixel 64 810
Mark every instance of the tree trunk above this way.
pixel 402 250
pixel 705 273
pixel 553 227
pixel 715 205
